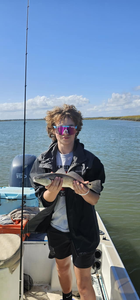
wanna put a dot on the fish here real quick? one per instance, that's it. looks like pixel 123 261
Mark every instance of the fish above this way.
pixel 68 178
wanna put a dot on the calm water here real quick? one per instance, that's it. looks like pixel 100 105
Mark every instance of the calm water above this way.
pixel 117 144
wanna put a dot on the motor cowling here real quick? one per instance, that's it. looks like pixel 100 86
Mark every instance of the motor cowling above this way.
pixel 17 169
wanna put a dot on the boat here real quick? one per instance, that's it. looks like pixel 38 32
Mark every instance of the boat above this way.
pixel 29 274
pixel 26 272
pixel 109 276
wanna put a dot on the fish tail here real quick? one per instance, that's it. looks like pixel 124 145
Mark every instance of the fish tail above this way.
pixel 95 186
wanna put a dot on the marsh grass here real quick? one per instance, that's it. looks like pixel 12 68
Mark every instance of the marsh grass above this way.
pixel 127 118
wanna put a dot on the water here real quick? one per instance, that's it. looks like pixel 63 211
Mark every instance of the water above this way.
pixel 117 144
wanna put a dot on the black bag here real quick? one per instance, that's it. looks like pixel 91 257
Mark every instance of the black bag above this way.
pixel 28 282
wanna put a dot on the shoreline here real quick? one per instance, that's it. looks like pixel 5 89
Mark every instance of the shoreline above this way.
pixel 126 118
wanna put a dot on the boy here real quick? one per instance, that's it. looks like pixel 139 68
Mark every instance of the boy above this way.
pixel 71 226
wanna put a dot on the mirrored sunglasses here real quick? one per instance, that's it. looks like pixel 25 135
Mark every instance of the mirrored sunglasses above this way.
pixel 62 129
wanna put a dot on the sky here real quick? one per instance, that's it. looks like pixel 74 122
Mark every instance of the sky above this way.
pixel 80 52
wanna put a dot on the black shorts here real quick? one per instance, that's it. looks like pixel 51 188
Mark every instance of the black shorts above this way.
pixel 61 246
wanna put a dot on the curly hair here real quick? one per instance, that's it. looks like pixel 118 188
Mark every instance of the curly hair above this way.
pixel 60 113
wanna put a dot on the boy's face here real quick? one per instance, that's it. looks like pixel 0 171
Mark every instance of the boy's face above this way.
pixel 65 135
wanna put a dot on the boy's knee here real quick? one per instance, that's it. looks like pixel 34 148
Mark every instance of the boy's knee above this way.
pixel 64 268
pixel 84 285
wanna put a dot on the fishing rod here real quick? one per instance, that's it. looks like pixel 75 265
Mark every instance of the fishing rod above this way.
pixel 23 168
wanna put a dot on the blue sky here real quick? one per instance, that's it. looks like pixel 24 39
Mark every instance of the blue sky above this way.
pixel 81 52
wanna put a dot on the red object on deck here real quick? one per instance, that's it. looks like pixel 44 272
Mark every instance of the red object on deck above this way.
pixel 14 228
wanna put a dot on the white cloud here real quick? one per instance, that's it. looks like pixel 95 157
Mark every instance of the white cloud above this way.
pixel 45 103
pixel 137 88
pixel 11 107
pixel 37 107
pixel 118 103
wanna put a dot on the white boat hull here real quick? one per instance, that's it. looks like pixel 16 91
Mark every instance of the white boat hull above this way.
pixel 111 281
pixel 109 277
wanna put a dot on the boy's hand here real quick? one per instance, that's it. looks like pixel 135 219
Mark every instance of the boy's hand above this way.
pixel 88 195
pixel 80 188
pixel 55 186
pixel 53 189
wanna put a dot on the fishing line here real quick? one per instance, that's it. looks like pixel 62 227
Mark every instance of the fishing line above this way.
pixel 23 173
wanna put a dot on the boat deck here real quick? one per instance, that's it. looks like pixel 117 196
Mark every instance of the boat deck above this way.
pixel 44 292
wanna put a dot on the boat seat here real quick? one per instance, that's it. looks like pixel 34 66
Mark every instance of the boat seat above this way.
pixel 9 251
pixel 9 266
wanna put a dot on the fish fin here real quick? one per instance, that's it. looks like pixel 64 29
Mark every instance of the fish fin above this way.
pixel 75 176
pixel 95 186
pixel 61 170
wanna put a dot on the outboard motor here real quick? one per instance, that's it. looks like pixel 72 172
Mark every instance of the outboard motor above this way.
pixel 17 169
